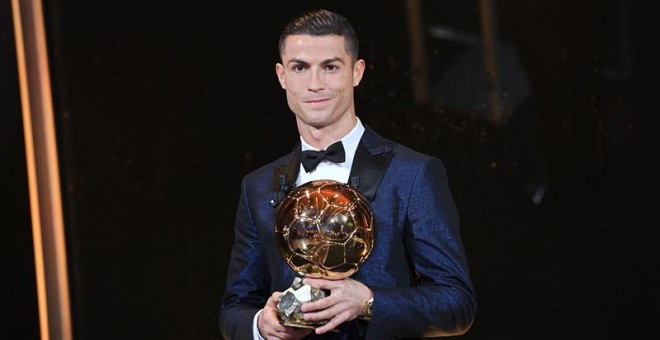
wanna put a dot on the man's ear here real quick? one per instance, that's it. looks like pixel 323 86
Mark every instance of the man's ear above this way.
pixel 358 71
pixel 279 70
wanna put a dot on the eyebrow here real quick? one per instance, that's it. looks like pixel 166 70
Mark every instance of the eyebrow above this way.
pixel 324 62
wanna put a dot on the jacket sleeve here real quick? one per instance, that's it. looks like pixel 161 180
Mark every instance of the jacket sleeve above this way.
pixel 442 302
pixel 248 281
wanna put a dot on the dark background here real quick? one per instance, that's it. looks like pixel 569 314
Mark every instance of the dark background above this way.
pixel 161 107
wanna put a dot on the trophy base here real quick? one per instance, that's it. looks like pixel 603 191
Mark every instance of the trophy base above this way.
pixel 307 325
pixel 302 325
pixel 291 300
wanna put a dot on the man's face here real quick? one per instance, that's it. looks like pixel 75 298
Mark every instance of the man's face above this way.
pixel 318 75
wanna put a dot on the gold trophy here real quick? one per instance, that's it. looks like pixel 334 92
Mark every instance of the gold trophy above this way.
pixel 324 229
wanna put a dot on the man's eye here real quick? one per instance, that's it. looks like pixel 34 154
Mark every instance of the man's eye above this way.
pixel 331 67
pixel 299 68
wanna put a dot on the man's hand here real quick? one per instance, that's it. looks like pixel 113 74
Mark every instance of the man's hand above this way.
pixel 269 323
pixel 346 300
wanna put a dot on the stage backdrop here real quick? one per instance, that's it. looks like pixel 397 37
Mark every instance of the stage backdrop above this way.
pixel 541 110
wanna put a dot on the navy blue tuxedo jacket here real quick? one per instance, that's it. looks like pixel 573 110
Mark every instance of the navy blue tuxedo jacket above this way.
pixel 417 269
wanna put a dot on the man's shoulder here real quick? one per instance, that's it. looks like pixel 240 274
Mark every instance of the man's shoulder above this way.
pixel 377 142
pixel 266 170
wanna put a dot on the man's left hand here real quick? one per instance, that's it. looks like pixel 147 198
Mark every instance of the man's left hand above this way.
pixel 346 302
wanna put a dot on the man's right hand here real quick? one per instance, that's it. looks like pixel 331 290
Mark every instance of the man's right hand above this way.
pixel 269 323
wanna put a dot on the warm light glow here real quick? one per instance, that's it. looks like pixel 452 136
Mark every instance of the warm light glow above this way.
pixel 43 171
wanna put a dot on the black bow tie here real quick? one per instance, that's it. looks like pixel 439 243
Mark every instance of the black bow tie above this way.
pixel 334 153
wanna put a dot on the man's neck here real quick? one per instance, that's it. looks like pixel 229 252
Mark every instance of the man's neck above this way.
pixel 322 137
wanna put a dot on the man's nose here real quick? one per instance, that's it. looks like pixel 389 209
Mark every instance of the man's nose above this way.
pixel 316 81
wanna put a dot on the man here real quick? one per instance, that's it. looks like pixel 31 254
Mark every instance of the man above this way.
pixel 415 282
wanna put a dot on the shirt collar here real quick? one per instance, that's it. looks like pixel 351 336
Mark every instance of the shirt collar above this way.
pixel 350 141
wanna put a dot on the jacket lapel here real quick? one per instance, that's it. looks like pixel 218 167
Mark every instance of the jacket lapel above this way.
pixel 372 158
pixel 285 175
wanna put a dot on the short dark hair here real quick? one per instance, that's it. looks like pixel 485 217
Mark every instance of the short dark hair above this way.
pixel 321 22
